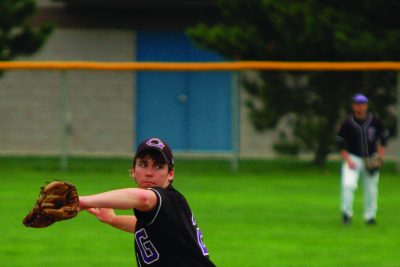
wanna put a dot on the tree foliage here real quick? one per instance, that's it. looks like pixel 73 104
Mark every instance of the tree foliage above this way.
pixel 17 36
pixel 309 30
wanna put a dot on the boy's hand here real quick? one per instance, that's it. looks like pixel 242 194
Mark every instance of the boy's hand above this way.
pixel 105 215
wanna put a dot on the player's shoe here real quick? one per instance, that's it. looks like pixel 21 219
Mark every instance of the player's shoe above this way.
pixel 371 221
pixel 346 219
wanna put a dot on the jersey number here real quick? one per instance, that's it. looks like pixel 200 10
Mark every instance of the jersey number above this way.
pixel 200 238
pixel 147 250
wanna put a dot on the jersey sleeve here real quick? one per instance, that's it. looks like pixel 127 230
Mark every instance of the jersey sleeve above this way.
pixel 341 137
pixel 383 133
pixel 160 210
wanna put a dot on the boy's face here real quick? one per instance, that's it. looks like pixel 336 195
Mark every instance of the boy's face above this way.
pixel 149 173
pixel 359 109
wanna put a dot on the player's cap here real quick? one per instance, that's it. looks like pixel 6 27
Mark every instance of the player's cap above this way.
pixel 360 99
pixel 157 144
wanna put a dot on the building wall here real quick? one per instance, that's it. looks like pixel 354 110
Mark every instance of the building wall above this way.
pixel 100 104
pixel 253 143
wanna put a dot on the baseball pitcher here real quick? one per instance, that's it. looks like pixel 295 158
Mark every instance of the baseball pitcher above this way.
pixel 165 231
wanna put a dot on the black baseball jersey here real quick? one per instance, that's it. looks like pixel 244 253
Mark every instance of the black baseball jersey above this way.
pixel 360 137
pixel 168 235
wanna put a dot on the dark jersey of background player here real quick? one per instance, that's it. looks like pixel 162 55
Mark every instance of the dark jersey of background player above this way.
pixel 359 137
pixel 168 235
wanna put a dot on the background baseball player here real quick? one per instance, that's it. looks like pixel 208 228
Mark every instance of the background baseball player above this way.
pixel 166 233
pixel 358 141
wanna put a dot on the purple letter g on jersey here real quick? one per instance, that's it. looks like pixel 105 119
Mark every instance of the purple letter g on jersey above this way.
pixel 147 250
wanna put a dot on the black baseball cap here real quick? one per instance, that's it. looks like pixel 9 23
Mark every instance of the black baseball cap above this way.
pixel 159 145
pixel 359 99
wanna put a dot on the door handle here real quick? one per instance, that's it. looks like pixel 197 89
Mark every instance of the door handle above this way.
pixel 182 98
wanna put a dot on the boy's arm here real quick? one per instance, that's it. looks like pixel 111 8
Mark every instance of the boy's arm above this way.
pixel 381 151
pixel 128 198
pixel 123 222
pixel 346 157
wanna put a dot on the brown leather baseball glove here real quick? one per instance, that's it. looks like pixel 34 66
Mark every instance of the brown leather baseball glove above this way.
pixel 58 200
pixel 373 164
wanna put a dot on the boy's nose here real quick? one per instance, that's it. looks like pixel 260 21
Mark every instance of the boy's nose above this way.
pixel 149 172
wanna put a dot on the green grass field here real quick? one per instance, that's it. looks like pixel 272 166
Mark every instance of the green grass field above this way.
pixel 270 213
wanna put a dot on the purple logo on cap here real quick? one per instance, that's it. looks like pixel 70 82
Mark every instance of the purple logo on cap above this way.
pixel 155 142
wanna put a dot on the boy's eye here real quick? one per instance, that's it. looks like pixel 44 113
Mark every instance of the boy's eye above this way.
pixel 142 164
pixel 159 166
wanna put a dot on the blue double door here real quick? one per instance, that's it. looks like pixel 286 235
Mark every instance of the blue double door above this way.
pixel 189 110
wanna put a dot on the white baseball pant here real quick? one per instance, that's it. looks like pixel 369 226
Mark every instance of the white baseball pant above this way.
pixel 349 184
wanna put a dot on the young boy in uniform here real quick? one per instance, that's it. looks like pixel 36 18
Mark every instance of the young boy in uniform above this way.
pixel 361 136
pixel 166 233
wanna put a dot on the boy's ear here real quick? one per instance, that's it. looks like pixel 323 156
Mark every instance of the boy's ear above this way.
pixel 171 175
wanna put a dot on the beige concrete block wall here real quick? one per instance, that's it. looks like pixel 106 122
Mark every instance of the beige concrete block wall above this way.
pixel 29 112
pixel 253 143
pixel 100 104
